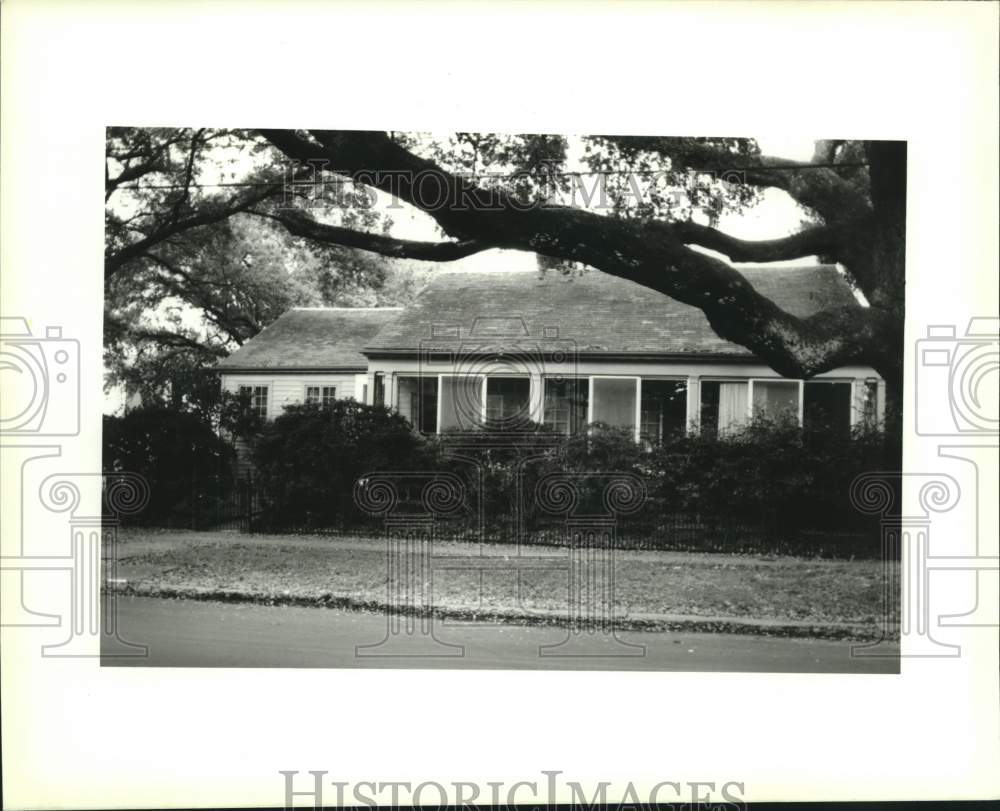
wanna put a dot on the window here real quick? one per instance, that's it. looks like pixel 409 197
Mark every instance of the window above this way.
pixel 321 395
pixel 566 402
pixel 663 411
pixel 258 399
pixel 723 407
pixel 461 402
pixel 508 399
pixel 378 397
pixel 826 405
pixel 416 402
pixel 776 400
pixel 614 401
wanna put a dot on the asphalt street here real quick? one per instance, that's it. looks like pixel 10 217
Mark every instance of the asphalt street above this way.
pixel 181 633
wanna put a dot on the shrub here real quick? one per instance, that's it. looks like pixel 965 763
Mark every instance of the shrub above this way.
pixel 309 458
pixel 587 459
pixel 186 464
pixel 504 464
pixel 497 464
pixel 603 448
pixel 767 487
pixel 770 474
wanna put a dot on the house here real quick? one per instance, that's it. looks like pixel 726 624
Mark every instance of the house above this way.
pixel 565 351
pixel 307 354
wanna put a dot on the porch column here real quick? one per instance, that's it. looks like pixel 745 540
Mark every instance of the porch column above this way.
pixel 536 396
pixel 693 402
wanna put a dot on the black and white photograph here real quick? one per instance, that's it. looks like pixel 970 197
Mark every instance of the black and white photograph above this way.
pixel 498 404
pixel 518 401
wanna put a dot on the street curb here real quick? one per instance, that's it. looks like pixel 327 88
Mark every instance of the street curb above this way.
pixel 648 622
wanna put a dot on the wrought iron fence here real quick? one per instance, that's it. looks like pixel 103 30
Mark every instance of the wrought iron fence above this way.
pixel 215 503
pixel 208 503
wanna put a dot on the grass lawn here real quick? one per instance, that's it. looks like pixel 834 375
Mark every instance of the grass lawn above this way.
pixel 646 582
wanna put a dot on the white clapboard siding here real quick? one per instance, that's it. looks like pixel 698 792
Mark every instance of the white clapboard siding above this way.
pixel 283 390
pixel 286 389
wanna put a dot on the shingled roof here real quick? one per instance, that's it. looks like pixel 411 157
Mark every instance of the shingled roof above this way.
pixel 312 339
pixel 594 313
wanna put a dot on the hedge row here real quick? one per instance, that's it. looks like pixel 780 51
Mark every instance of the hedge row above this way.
pixel 771 486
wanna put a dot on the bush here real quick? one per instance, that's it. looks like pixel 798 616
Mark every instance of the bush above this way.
pixel 504 464
pixel 770 475
pixel 770 487
pixel 496 464
pixel 603 448
pixel 309 458
pixel 186 465
pixel 587 460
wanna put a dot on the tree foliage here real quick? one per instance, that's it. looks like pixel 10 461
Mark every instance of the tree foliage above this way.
pixel 190 275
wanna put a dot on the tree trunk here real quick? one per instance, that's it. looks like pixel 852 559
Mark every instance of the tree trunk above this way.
pixel 887 170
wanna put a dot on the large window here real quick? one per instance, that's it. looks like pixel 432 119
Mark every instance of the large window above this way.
pixel 653 409
pixel 826 405
pixel 416 402
pixel 508 400
pixel 566 404
pixel 461 402
pixel 258 399
pixel 321 395
pixel 663 411
pixel 723 407
pixel 776 400
pixel 815 403
pixel 614 401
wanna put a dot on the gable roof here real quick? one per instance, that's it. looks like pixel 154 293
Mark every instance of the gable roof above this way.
pixel 312 339
pixel 592 313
